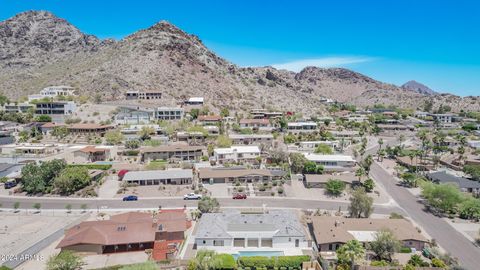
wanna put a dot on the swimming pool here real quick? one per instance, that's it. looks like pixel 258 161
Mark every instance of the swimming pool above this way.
pixel 258 253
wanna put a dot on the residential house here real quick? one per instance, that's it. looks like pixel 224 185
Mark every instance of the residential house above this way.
pixel 134 115
pixel 330 233
pixel 252 139
pixel 209 120
pixel 257 124
pixel 89 129
pixel 157 177
pixel 132 131
pixel 297 127
pixel 9 168
pixel 18 107
pixel 421 115
pixel 163 233
pixel 55 107
pixel 464 184
pixel 236 154
pixel 345 134
pixel 144 95
pixel 30 149
pixel 233 231
pixel 195 101
pixel 212 130
pixel 320 180
pixel 443 117
pixel 192 138
pixel 243 175
pixel 90 154
pixel 333 162
pixel 47 128
pixel 56 91
pixel 264 113
pixel 310 146
pixel 474 144
pixel 169 113
pixel 173 152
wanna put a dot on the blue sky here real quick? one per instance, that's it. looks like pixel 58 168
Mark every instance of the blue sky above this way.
pixel 434 42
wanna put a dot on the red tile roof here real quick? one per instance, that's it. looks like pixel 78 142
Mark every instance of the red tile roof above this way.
pixel 131 227
pixel 209 118
pixel 92 149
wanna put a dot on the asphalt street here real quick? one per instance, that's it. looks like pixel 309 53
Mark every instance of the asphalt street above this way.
pixel 446 236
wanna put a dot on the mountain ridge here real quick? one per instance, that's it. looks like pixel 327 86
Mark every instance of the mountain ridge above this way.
pixel 418 87
pixel 166 58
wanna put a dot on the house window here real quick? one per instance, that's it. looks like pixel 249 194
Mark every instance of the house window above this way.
pixel 204 242
pixel 218 243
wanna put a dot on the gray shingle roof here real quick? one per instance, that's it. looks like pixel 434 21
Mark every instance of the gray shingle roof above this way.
pixel 443 177
pixel 158 174
pixel 219 225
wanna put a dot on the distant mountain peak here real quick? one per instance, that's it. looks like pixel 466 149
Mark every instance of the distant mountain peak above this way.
pixel 30 37
pixel 418 88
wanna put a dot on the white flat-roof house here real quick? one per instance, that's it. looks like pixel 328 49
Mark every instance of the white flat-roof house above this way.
pixel 144 95
pixel 443 117
pixel 136 115
pixel 169 113
pixel 233 231
pixel 55 108
pixel 262 124
pixel 157 177
pixel 296 127
pixel 251 139
pixel 54 91
pixel 18 107
pixel 310 146
pixel 236 154
pixel 332 162
pixel 195 101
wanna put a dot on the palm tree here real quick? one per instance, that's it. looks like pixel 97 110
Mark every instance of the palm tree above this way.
pixel 380 143
pixel 352 250
pixel 360 172
pixel 367 163
pixel 401 139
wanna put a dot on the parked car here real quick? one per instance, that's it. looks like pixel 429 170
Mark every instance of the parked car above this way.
pixel 239 196
pixel 10 184
pixel 130 198
pixel 192 196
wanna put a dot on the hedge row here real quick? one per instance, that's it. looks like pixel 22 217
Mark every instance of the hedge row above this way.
pixel 281 263
pixel 227 262
pixel 102 167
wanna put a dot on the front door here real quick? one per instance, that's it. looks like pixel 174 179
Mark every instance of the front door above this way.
pixel 297 242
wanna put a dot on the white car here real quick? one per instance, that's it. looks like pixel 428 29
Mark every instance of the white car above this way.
pixel 192 196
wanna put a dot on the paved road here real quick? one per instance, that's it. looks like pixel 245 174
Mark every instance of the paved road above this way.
pixel 144 203
pixel 450 239
pixel 39 246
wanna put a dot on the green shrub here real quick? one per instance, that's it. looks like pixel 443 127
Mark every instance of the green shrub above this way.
pixel 226 262
pixel 291 261
pixel 254 262
pixel 282 262
pixel 131 152
pixel 405 250
pixel 102 167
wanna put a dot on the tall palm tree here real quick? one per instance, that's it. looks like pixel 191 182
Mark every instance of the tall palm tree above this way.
pixel 360 172
pixel 367 163
pixel 380 144
pixel 352 250
pixel 401 139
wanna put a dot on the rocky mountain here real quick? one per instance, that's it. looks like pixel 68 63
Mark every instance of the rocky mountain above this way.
pixel 38 49
pixel 418 87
